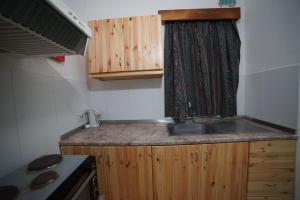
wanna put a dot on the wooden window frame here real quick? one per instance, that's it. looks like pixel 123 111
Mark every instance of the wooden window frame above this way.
pixel 201 14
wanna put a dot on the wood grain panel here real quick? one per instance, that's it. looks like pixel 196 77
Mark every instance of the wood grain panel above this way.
pixel 177 172
pixel 201 14
pixel 103 46
pixel 217 171
pixel 123 172
pixel 99 47
pixel 78 150
pixel 116 38
pixel 132 43
pixel 129 172
pixel 269 198
pixel 125 45
pixel 129 75
pixel 270 188
pixel 151 45
pixel 276 146
pixel 271 169
pixel 272 154
pixel 106 47
pixel 226 171
pixel 142 38
pixel 94 151
pixel 285 175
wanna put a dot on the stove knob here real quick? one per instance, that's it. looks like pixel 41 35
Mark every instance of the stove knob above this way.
pixel 93 166
pixel 96 193
pixel 95 182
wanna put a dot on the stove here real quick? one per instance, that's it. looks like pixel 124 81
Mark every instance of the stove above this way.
pixel 52 177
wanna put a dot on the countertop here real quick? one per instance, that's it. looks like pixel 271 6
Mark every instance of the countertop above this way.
pixel 156 133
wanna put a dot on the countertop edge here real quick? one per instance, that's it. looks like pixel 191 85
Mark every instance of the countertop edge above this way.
pixel 282 133
pixel 229 140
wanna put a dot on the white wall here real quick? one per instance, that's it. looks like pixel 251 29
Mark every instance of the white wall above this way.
pixel 134 99
pixel 104 9
pixel 40 100
pixel 272 29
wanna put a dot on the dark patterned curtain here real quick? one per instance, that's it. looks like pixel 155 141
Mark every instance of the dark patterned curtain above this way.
pixel 201 68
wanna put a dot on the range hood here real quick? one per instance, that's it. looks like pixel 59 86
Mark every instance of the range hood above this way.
pixel 41 28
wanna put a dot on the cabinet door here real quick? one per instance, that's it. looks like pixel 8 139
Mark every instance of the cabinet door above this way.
pixel 142 39
pixel 225 170
pixel 93 151
pixel 96 52
pixel 131 44
pixel 214 171
pixel 106 47
pixel 177 171
pixel 123 172
pixel 116 40
pixel 128 172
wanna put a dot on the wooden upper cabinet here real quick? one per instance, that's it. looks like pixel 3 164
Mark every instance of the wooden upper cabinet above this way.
pixel 125 48
pixel 208 171
pixel 106 47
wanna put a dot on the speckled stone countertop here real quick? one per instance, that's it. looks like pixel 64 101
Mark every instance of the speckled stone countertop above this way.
pixel 147 133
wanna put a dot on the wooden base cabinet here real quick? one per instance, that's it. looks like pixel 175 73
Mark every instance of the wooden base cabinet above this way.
pixel 262 170
pixel 123 172
pixel 271 170
pixel 208 171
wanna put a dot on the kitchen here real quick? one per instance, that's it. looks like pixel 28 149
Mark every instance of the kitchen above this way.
pixel 41 99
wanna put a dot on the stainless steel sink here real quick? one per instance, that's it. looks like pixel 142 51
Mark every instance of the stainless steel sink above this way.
pixel 219 126
pixel 189 128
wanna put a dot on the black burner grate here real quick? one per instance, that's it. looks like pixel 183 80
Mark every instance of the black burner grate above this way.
pixel 8 192
pixel 43 179
pixel 44 162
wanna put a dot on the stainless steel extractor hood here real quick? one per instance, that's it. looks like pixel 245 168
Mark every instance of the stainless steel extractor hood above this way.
pixel 41 28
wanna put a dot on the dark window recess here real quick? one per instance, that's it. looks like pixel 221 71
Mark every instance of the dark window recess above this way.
pixel 201 68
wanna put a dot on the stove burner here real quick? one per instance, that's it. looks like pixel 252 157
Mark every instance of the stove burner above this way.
pixel 43 179
pixel 45 162
pixel 8 192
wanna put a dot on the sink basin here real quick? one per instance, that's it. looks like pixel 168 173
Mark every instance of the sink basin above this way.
pixel 213 127
pixel 235 126
pixel 189 129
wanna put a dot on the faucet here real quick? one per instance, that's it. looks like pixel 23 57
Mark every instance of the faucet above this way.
pixel 189 119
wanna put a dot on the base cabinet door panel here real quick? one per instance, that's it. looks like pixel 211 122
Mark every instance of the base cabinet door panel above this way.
pixel 128 173
pixel 177 171
pixel 123 172
pixel 208 171
pixel 93 151
pixel 225 171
